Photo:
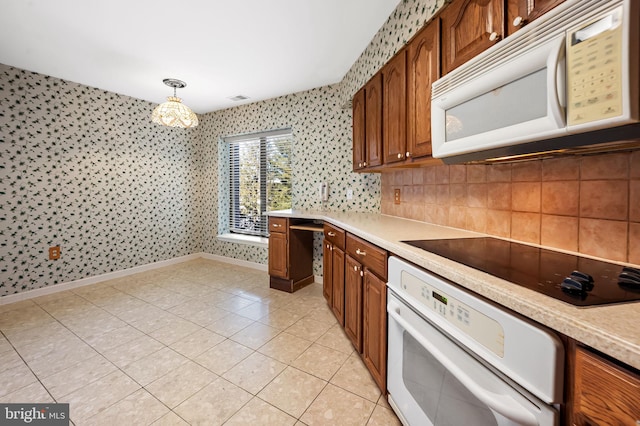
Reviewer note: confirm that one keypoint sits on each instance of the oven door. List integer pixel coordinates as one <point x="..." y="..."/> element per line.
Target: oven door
<point x="432" y="381"/>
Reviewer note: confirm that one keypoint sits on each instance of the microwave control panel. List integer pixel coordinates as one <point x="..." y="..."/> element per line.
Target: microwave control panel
<point x="594" y="70"/>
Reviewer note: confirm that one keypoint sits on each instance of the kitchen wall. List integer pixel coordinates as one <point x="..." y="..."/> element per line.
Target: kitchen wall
<point x="321" y="123"/>
<point x="321" y="152"/>
<point x="588" y="204"/>
<point x="86" y="169"/>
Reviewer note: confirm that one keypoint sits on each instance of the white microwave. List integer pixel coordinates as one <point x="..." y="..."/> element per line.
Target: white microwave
<point x="574" y="70"/>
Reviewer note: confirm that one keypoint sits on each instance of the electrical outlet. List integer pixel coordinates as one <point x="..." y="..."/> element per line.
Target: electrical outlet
<point x="349" y="194"/>
<point x="54" y="253"/>
<point x="396" y="196"/>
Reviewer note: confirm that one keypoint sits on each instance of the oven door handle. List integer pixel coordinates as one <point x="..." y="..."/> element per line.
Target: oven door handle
<point x="501" y="404"/>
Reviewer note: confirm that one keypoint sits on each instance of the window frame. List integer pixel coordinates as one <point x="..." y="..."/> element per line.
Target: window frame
<point x="233" y="170"/>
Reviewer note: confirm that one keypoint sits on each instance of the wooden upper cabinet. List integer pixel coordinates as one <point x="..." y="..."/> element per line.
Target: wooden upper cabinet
<point x="359" y="157"/>
<point x="394" y="108"/>
<point x="468" y="28"/>
<point x="373" y="121"/>
<point x="423" y="68"/>
<point x="521" y="12"/>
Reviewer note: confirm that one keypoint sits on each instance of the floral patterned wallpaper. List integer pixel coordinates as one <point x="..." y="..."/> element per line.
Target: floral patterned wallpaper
<point x="86" y="169"/>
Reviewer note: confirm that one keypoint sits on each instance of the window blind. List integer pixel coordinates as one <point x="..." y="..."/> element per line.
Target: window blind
<point x="260" y="179"/>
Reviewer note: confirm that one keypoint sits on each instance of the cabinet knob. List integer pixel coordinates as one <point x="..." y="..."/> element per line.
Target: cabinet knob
<point x="518" y="21"/>
<point x="355" y="268"/>
<point x="361" y="273"/>
<point x="359" y="164"/>
<point x="361" y="252"/>
<point x="399" y="155"/>
<point x="331" y="234"/>
<point x="408" y="154"/>
<point x="494" y="36"/>
<point x="364" y="164"/>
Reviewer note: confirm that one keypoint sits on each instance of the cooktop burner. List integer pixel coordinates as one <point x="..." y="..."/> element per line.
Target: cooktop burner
<point x="573" y="279"/>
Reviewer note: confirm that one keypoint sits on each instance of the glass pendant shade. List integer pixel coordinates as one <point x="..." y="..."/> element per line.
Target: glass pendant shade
<point x="174" y="113"/>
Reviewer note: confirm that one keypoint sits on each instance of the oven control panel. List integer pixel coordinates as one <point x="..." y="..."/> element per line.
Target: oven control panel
<point x="478" y="326"/>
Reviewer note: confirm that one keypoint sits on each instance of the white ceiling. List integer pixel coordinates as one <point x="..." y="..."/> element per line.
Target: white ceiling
<point x="256" y="48"/>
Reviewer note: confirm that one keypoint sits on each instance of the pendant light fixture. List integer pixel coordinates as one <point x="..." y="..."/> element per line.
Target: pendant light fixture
<point x="174" y="113"/>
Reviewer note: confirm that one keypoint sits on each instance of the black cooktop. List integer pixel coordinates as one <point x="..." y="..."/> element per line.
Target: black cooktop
<point x="586" y="281"/>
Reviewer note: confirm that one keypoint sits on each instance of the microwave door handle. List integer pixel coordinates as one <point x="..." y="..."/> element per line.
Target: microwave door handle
<point x="556" y="77"/>
<point x="501" y="404"/>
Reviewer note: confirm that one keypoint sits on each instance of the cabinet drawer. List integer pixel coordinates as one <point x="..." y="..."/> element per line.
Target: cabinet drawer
<point x="369" y="255"/>
<point x="604" y="393"/>
<point x="334" y="235"/>
<point x="277" y="224"/>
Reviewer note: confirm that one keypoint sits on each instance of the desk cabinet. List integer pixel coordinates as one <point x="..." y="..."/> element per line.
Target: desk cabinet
<point x="290" y="254"/>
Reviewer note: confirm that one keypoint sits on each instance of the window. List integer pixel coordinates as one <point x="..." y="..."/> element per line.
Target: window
<point x="260" y="179"/>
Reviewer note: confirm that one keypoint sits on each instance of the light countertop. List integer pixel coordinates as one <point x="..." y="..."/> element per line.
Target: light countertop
<point x="612" y="329"/>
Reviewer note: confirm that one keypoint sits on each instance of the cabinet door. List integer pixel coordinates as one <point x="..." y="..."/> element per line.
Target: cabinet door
<point x="521" y="12"/>
<point x="359" y="158"/>
<point x="337" y="278"/>
<point x="278" y="253"/>
<point x="423" y="68"/>
<point x="374" y="349"/>
<point x="468" y="28"/>
<point x="353" y="302"/>
<point x="394" y="108"/>
<point x="605" y="394"/>
<point x="327" y="272"/>
<point x="373" y="121"/>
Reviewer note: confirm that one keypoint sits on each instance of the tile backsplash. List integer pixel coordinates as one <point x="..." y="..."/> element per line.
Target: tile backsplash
<point x="585" y="204"/>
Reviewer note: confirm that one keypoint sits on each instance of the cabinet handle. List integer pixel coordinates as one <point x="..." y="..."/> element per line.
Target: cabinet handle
<point x="276" y="225"/>
<point x="361" y="252"/>
<point x="355" y="268"/>
<point x="494" y="36"/>
<point x="408" y="154"/>
<point x="359" y="164"/>
<point x="361" y="273"/>
<point x="331" y="234"/>
<point x="518" y="21"/>
<point x="364" y="164"/>
<point x="399" y="155"/>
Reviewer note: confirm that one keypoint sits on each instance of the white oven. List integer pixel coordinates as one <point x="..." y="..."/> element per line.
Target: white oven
<point x="455" y="359"/>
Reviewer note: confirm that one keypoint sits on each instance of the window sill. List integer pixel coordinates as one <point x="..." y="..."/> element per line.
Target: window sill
<point x="251" y="240"/>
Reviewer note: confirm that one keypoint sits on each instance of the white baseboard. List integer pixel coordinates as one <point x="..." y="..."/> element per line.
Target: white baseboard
<point x="30" y="294"/>
<point x="240" y="262"/>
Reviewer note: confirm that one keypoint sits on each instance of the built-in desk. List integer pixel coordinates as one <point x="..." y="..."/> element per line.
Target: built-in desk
<point x="291" y="252"/>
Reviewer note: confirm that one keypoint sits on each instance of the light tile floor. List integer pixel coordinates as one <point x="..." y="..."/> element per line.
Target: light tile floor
<point x="200" y="343"/>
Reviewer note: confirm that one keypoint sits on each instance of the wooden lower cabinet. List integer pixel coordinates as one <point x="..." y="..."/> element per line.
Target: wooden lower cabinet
<point x="337" y="279"/>
<point x="603" y="393"/>
<point x="353" y="302"/>
<point x="366" y="289"/>
<point x="333" y="269"/>
<point x="290" y="255"/>
<point x="278" y="255"/>
<point x="374" y="324"/>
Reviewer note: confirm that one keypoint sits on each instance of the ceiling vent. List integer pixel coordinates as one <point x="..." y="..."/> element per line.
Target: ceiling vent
<point x="238" y="98"/>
